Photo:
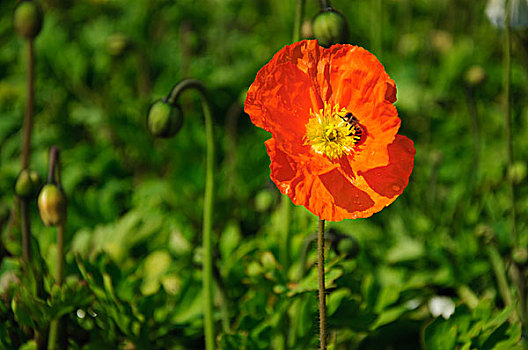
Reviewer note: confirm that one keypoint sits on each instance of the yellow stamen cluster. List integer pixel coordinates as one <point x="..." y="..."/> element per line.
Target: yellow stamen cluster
<point x="329" y="134"/>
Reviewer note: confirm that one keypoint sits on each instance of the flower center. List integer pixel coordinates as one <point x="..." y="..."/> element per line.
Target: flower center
<point x="333" y="131"/>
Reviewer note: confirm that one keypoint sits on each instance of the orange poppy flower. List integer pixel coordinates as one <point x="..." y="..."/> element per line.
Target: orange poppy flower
<point x="334" y="146"/>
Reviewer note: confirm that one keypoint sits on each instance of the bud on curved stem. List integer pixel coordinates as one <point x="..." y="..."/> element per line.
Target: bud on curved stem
<point x="164" y="120"/>
<point x="207" y="274"/>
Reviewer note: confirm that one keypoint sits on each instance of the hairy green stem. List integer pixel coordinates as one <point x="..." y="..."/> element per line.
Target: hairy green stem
<point x="57" y="339"/>
<point x="207" y="274"/>
<point x="324" y="4"/>
<point x="377" y="27"/>
<point x="26" y="231"/>
<point x="508" y="120"/>
<point x="26" y="146"/>
<point x="298" y="19"/>
<point x="286" y="236"/>
<point x="30" y="99"/>
<point x="285" y="240"/>
<point x="500" y="274"/>
<point x="322" y="291"/>
<point x="60" y="255"/>
<point x="518" y="272"/>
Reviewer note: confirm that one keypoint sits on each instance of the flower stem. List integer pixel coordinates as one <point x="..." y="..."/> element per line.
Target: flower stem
<point x="25" y="226"/>
<point x="508" y="119"/>
<point x="500" y="274"/>
<point x="518" y="274"/>
<point x="285" y="240"/>
<point x="207" y="274"/>
<point x="60" y="255"/>
<point x="26" y="146"/>
<point x="377" y="27"/>
<point x="322" y="292"/>
<point x="286" y="237"/>
<point x="324" y="4"/>
<point x="30" y="90"/>
<point x="298" y="18"/>
<point x="56" y="339"/>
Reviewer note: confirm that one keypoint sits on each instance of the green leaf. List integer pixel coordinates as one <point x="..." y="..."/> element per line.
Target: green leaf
<point x="334" y="299"/>
<point x="310" y="282"/>
<point x="500" y="318"/>
<point x="440" y="334"/>
<point x="389" y="315"/>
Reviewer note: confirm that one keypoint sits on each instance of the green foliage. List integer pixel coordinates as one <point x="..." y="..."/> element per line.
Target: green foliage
<point x="474" y="330"/>
<point x="133" y="243"/>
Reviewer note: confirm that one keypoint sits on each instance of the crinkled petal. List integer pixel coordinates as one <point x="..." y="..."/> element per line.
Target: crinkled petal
<point x="358" y="82"/>
<point x="390" y="180"/>
<point x="278" y="102"/>
<point x="298" y="81"/>
<point x="330" y="196"/>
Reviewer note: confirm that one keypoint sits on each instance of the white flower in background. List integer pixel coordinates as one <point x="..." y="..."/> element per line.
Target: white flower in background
<point x="441" y="305"/>
<point x="495" y="10"/>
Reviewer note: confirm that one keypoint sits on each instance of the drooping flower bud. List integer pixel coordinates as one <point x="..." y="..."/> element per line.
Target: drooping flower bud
<point x="27" y="19"/>
<point x="27" y="183"/>
<point x="330" y="27"/>
<point x="52" y="205"/>
<point x="163" y="119"/>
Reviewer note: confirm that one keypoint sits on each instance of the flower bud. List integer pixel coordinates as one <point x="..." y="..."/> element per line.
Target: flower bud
<point x="163" y="119"/>
<point x="52" y="205"/>
<point x="27" y="183"/>
<point x="27" y="19"/>
<point x="330" y="27"/>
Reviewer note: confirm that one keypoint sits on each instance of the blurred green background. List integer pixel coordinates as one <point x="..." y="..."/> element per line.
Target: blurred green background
<point x="135" y="203"/>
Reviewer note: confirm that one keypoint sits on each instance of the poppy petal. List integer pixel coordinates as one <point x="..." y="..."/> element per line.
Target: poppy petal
<point x="390" y="180"/>
<point x="304" y="78"/>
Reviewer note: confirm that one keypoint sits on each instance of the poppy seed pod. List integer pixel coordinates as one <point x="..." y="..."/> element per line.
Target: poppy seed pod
<point x="330" y="27"/>
<point x="163" y="119"/>
<point x="27" y="19"/>
<point x="27" y="183"/>
<point x="52" y="205"/>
